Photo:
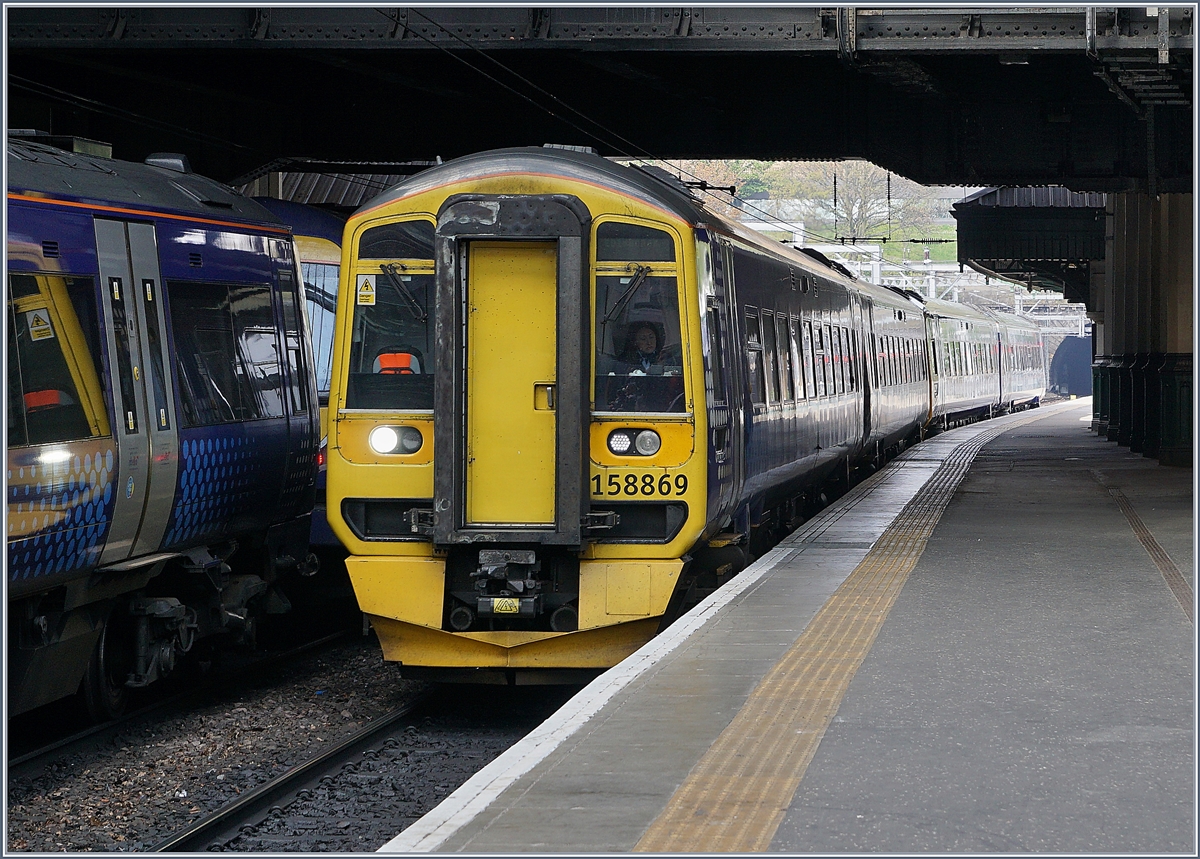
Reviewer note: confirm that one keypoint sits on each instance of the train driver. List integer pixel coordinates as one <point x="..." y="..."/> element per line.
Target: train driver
<point x="642" y="350"/>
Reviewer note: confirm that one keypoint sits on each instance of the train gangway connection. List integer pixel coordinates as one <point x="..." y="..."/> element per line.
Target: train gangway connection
<point x="987" y="646"/>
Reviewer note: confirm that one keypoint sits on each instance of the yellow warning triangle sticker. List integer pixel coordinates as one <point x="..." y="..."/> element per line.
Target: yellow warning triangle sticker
<point x="39" y="325"/>
<point x="366" y="290"/>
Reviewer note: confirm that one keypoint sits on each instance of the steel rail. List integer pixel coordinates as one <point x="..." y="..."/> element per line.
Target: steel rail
<point x="202" y="834"/>
<point x="211" y="683"/>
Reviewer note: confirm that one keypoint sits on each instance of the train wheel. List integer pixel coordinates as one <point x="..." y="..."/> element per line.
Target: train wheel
<point x="103" y="688"/>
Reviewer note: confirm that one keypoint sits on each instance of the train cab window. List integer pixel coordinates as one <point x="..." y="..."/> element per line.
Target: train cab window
<point x="391" y="340"/>
<point x="784" y="361"/>
<point x="770" y="363"/>
<point x="810" y="384"/>
<point x="618" y="241"/>
<point x="54" y="389"/>
<point x="320" y="298"/>
<point x="754" y="360"/>
<point x="227" y="353"/>
<point x="639" y="345"/>
<point x="399" y="240"/>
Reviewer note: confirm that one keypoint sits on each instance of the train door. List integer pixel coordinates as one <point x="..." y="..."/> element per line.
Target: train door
<point x="511" y="381"/>
<point x="511" y="396"/>
<point x="140" y="379"/>
<point x="860" y="315"/>
<point x="724" y="418"/>
<point x="932" y="328"/>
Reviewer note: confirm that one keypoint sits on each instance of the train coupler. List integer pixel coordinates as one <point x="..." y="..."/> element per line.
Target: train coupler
<point x="507" y="584"/>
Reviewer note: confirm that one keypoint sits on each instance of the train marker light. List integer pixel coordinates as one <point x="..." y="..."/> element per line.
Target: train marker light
<point x="619" y="442"/>
<point x="647" y="443"/>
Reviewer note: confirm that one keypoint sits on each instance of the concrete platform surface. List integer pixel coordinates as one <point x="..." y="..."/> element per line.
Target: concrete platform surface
<point x="985" y="647"/>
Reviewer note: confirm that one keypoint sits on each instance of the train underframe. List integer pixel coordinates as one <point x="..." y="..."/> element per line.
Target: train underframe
<point x="124" y="628"/>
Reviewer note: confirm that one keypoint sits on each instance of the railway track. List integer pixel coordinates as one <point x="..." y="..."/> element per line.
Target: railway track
<point x="29" y="761"/>
<point x="215" y="830"/>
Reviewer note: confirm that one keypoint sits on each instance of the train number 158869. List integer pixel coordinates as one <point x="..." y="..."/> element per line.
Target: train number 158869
<point x="639" y="484"/>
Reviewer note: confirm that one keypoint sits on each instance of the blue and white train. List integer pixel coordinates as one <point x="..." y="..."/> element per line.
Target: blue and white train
<point x="162" y="421"/>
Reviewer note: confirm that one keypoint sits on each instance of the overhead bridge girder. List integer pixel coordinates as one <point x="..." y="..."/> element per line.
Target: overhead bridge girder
<point x="1095" y="99"/>
<point x="806" y="28"/>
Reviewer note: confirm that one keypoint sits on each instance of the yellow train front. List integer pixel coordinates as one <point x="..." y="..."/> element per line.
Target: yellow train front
<point x="491" y="310"/>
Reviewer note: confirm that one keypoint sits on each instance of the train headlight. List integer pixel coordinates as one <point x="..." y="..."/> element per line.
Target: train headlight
<point x="647" y="442"/>
<point x="395" y="439"/>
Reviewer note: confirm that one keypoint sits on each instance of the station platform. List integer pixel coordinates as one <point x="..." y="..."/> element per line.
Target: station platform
<point x="988" y="646"/>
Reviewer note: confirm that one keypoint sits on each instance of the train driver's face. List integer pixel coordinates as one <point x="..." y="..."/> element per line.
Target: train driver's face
<point x="646" y="341"/>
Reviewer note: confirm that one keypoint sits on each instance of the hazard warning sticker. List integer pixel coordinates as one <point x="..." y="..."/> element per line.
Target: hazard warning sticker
<point x="38" y="322"/>
<point x="366" y="290"/>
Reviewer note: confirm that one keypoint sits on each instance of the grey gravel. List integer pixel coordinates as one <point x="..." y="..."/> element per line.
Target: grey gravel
<point x="159" y="776"/>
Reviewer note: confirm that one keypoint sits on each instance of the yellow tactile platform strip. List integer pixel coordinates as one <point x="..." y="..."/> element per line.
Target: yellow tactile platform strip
<point x="1175" y="581"/>
<point x="736" y="796"/>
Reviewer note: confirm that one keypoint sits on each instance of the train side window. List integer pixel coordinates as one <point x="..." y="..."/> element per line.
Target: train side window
<point x="54" y="388"/>
<point x="260" y="362"/>
<point x="848" y="340"/>
<point x="770" y="366"/>
<point x="320" y="298"/>
<point x="821" y="359"/>
<point x="783" y="358"/>
<point x="227" y="353"/>
<point x="716" y="355"/>
<point x="810" y="385"/>
<point x="754" y="358"/>
<point x="839" y="361"/>
<point x="793" y="359"/>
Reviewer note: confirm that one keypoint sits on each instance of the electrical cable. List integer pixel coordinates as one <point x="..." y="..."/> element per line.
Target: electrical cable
<point x="100" y="107"/>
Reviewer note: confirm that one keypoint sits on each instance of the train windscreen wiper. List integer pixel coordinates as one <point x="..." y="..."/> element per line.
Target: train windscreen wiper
<point x="389" y="270"/>
<point x="639" y="277"/>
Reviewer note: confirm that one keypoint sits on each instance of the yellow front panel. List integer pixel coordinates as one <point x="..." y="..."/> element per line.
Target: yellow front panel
<point x="510" y="366"/>
<point x="619" y="591"/>
<point x="401" y="588"/>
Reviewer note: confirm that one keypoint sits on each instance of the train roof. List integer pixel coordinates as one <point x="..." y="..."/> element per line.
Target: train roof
<point x="57" y="174"/>
<point x="306" y="220"/>
<point x="574" y="164"/>
<point x="650" y="184"/>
